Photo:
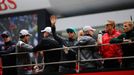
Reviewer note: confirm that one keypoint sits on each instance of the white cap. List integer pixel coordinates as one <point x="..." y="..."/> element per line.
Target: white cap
<point x="87" y="28"/>
<point x="47" y="29"/>
<point x="24" y="32"/>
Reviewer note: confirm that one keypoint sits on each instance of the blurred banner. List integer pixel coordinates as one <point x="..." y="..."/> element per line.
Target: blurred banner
<point x="11" y="6"/>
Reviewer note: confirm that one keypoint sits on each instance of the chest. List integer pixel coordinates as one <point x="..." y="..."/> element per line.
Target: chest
<point x="106" y="38"/>
<point x="70" y="43"/>
<point x="5" y="47"/>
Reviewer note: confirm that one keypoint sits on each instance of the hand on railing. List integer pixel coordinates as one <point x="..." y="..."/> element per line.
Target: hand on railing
<point x="66" y="49"/>
<point x="36" y="69"/>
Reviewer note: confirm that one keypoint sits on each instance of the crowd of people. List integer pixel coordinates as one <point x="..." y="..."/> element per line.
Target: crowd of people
<point x="52" y="40"/>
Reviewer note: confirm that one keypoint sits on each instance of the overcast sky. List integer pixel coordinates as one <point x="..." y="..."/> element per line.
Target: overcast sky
<point x="94" y="19"/>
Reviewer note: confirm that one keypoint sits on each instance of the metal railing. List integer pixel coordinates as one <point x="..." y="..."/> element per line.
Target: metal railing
<point x="72" y="61"/>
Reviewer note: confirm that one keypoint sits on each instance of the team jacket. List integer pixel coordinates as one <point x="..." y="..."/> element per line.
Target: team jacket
<point x="112" y="50"/>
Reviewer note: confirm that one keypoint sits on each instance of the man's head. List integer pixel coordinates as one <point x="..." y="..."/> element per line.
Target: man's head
<point x="46" y="32"/>
<point x="109" y="26"/>
<point x="127" y="26"/>
<point x="6" y="36"/>
<point x="25" y="35"/>
<point x="71" y="32"/>
<point x="88" y="30"/>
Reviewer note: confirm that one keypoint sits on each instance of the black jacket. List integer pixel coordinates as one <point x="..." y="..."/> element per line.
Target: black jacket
<point x="6" y="48"/>
<point x="71" y="55"/>
<point x="9" y="60"/>
<point x="46" y="44"/>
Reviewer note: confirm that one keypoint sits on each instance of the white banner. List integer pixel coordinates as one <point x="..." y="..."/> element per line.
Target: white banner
<point x="11" y="6"/>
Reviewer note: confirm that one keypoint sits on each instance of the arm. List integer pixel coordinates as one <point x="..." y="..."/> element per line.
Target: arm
<point x="39" y="46"/>
<point x="56" y="37"/>
<point x="119" y="39"/>
<point x="10" y="49"/>
<point x="24" y="47"/>
<point x="27" y="47"/>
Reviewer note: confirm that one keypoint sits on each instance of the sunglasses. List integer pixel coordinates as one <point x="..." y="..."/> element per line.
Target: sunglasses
<point x="70" y="32"/>
<point x="4" y="36"/>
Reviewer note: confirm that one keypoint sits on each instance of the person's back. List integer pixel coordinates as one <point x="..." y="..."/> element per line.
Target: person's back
<point x="49" y="43"/>
<point x="90" y="52"/>
<point x="51" y="56"/>
<point x="87" y="53"/>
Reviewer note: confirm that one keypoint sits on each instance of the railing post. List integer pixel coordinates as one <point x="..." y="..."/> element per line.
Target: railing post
<point x="78" y="60"/>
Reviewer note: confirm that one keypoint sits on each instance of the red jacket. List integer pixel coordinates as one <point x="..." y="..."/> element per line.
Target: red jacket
<point x="113" y="50"/>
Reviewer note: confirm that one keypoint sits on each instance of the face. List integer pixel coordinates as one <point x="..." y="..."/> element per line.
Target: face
<point x="27" y="38"/>
<point x="45" y="34"/>
<point x="71" y="34"/>
<point x="126" y="27"/>
<point x="108" y="27"/>
<point x="6" y="38"/>
<point x="91" y="32"/>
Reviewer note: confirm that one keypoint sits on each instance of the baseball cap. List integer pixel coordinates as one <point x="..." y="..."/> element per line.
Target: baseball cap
<point x="47" y="29"/>
<point x="87" y="28"/>
<point x="24" y="32"/>
<point x="5" y="33"/>
<point x="71" y="30"/>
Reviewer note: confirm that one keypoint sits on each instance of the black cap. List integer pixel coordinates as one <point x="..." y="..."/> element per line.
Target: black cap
<point x="5" y="33"/>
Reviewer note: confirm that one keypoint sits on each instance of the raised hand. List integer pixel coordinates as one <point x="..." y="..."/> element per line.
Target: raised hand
<point x="53" y="20"/>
